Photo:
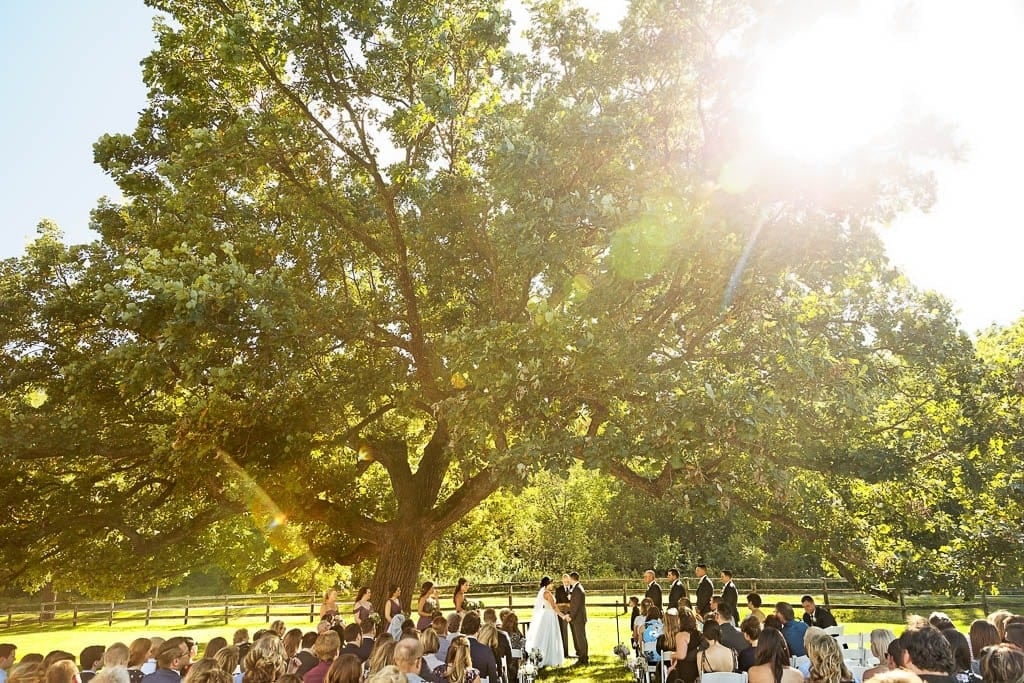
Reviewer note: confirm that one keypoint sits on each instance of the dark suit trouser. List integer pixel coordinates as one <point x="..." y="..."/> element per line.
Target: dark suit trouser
<point x="563" y="627"/>
<point x="579" y="640"/>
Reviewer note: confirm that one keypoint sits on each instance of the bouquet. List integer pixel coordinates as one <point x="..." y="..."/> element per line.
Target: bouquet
<point x="469" y="605"/>
<point x="375" y="618"/>
<point x="535" y="657"/>
<point x="622" y="651"/>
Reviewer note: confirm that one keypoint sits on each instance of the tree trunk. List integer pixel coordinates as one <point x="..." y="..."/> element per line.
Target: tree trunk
<point x="401" y="553"/>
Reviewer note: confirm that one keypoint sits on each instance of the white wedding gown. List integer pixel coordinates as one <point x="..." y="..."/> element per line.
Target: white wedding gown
<point x="544" y="634"/>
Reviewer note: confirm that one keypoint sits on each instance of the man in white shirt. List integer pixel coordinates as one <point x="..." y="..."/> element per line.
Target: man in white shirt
<point x="149" y="666"/>
<point x="7" y="652"/>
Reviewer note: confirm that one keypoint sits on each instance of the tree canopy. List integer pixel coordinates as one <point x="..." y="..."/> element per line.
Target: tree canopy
<point x="376" y="261"/>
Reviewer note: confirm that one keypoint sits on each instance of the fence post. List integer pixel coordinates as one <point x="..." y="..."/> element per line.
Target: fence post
<point x="824" y="591"/>
<point x="10" y="616"/>
<point x="625" y="598"/>
<point x="268" y="608"/>
<point x="149" y="610"/>
<point x="186" y="610"/>
<point x="984" y="600"/>
<point x="225" y="610"/>
<point x="74" y="614"/>
<point x="510" y="595"/>
<point x="903" y="604"/>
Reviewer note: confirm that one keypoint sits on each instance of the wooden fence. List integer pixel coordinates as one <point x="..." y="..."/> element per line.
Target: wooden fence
<point x="850" y="603"/>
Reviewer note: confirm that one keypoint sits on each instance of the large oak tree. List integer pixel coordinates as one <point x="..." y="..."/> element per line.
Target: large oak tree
<point x="372" y="264"/>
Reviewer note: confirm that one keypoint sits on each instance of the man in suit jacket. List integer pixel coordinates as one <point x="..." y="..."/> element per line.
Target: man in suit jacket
<point x="480" y="654"/>
<point x="815" y="615"/>
<point x="730" y="595"/>
<point x="731" y="636"/>
<point x="562" y="603"/>
<point x="705" y="589"/>
<point x="653" y="589"/>
<point x="676" y="589"/>
<point x="367" y="641"/>
<point x="353" y="638"/>
<point x="578" y="619"/>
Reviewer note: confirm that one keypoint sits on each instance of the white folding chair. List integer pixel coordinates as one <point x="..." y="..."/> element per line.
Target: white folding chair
<point x="835" y="630"/>
<point x="796" y="662"/>
<point x="852" y="641"/>
<point x="855" y="656"/>
<point x="723" y="677"/>
<point x="650" y="652"/>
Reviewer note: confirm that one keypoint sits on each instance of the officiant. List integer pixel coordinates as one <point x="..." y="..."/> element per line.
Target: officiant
<point x="562" y="604"/>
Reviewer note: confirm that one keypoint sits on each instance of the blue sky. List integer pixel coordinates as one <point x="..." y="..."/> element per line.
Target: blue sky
<point x="71" y="73"/>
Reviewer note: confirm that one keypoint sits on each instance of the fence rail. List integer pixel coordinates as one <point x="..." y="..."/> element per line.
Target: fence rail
<point x="515" y="595"/>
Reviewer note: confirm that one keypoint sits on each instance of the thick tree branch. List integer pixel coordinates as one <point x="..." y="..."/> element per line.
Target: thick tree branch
<point x="282" y="570"/>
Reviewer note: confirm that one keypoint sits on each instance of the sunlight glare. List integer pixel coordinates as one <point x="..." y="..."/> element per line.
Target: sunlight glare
<point x="829" y="89"/>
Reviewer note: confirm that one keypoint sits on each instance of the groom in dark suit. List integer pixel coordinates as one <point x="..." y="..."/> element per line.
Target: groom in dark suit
<point x="578" y="619"/>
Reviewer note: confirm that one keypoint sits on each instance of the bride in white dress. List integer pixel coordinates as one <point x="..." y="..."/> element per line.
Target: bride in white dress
<point x="544" y="634"/>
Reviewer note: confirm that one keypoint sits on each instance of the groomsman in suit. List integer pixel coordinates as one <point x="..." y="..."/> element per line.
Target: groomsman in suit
<point x="562" y="603"/>
<point x="578" y="619"/>
<point x="705" y="589"/>
<point x="730" y="595"/>
<point x="676" y="589"/>
<point x="653" y="589"/>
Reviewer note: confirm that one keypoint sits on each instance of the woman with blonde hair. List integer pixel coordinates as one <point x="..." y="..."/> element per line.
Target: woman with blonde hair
<point x="27" y="672"/>
<point x="431" y="646"/>
<point x="382" y="655"/>
<point x="827" y="664"/>
<point x="227" y="659"/>
<point x="880" y="639"/>
<point x="459" y="665"/>
<point x="63" y="671"/>
<point x="265" y="662"/>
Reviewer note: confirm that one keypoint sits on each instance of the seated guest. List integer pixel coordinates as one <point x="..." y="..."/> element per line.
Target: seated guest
<point x="792" y="630"/>
<point x="880" y="639"/>
<point x="489" y="636"/>
<point x="981" y="634"/>
<point x="480" y="654"/>
<point x="368" y="641"/>
<point x="345" y="669"/>
<point x="326" y="649"/>
<point x="63" y="671"/>
<point x="515" y="641"/>
<point x="383" y="654"/>
<point x="156" y="643"/>
<point x="459" y="665"/>
<point x="138" y="652"/>
<point x="815" y="615"/>
<point x="430" y="642"/>
<point x="1013" y="634"/>
<point x="804" y="665"/>
<point x="827" y="664"/>
<point x="681" y="643"/>
<point x="640" y="620"/>
<point x="452" y="626"/>
<point x="731" y="636"/>
<point x="927" y="653"/>
<point x="353" y="637"/>
<point x="754" y="604"/>
<point x="717" y="657"/>
<point x="1003" y="664"/>
<point x="750" y="628"/>
<point x="172" y="658"/>
<point x="90" y="659"/>
<point x="651" y="636"/>
<point x="771" y="660"/>
<point x="227" y="660"/>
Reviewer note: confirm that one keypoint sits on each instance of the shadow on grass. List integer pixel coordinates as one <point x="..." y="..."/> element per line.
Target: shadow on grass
<point x="601" y="669"/>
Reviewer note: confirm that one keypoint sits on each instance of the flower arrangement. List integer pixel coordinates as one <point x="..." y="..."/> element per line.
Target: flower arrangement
<point x="469" y="605"/>
<point x="535" y="656"/>
<point x="375" y="618"/>
<point x="622" y="651"/>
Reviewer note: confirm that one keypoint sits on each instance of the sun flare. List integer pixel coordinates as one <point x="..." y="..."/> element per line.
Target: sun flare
<point x="828" y="89"/>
